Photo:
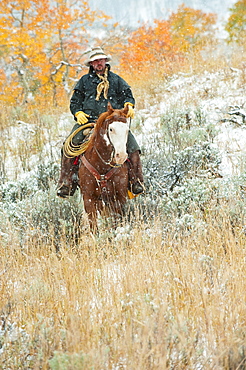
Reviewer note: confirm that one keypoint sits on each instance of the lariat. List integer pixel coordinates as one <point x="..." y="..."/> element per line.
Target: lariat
<point x="103" y="85"/>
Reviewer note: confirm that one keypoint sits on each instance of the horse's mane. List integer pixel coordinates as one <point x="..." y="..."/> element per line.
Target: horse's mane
<point x="120" y="114"/>
<point x="101" y="119"/>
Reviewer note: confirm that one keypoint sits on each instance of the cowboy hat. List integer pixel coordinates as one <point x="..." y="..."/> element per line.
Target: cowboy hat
<point x="97" y="53"/>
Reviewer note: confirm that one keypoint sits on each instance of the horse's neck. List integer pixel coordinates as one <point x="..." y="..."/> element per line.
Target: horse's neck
<point x="100" y="149"/>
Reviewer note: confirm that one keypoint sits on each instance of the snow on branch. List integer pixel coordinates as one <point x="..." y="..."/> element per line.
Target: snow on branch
<point x="238" y="111"/>
<point x="63" y="63"/>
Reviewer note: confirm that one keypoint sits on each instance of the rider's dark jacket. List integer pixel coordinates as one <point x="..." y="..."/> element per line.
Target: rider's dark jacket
<point x="84" y="95"/>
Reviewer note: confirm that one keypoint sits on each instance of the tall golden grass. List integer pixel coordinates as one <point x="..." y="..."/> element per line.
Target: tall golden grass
<point x="146" y="300"/>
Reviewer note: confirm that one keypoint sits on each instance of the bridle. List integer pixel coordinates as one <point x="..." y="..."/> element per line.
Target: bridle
<point x="108" y="162"/>
<point x="102" y="179"/>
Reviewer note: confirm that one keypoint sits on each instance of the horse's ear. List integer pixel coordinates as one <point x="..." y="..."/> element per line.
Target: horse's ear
<point x="125" y="110"/>
<point x="110" y="108"/>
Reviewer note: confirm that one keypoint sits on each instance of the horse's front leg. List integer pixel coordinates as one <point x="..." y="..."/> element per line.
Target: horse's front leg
<point x="91" y="210"/>
<point x="116" y="211"/>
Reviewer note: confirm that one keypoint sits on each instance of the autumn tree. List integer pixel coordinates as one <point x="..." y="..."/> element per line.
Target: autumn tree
<point x="71" y="37"/>
<point x="191" y="29"/>
<point x="22" y="43"/>
<point x="159" y="47"/>
<point x="148" y="47"/>
<point x="236" y="24"/>
<point x="41" y="45"/>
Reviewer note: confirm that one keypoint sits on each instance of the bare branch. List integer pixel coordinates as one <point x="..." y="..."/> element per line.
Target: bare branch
<point x="62" y="63"/>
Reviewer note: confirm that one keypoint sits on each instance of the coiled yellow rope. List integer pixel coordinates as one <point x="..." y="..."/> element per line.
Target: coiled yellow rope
<point x="71" y="150"/>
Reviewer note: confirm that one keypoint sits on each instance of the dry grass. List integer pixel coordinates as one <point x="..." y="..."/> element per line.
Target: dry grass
<point x="148" y="301"/>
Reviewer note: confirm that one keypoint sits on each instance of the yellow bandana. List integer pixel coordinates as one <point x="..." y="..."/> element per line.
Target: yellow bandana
<point x="103" y="85"/>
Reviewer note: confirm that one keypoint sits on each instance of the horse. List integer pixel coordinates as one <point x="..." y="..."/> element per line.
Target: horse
<point x="103" y="169"/>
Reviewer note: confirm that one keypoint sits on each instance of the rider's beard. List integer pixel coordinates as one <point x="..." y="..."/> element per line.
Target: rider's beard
<point x="100" y="70"/>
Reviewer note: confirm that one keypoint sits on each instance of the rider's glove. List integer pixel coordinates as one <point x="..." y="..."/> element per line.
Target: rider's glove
<point x="130" y="110"/>
<point x="81" y="117"/>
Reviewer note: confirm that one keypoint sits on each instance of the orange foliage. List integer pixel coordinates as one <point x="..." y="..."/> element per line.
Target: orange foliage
<point x="42" y="44"/>
<point x="36" y="36"/>
<point x="191" y="29"/>
<point x="147" y="46"/>
<point x="236" y="24"/>
<point x="160" y="47"/>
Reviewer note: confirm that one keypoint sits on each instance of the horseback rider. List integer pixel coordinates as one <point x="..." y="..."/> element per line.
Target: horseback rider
<point x="90" y="98"/>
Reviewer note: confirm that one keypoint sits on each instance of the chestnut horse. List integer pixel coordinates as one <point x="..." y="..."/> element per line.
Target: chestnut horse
<point x="103" y="171"/>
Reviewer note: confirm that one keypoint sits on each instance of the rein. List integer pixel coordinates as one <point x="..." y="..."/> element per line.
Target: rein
<point x="109" y="162"/>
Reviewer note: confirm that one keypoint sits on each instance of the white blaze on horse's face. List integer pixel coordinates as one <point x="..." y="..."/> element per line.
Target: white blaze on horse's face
<point x="118" y="134"/>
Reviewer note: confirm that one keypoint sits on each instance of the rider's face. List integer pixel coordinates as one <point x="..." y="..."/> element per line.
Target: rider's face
<point x="99" y="65"/>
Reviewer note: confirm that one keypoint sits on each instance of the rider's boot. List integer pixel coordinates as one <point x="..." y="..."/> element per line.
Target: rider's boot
<point x="68" y="181"/>
<point x="136" y="178"/>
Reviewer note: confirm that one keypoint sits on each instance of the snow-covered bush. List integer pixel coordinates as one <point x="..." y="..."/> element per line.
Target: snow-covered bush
<point x="163" y="173"/>
<point x="31" y="209"/>
<point x="181" y="127"/>
<point x="182" y="172"/>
